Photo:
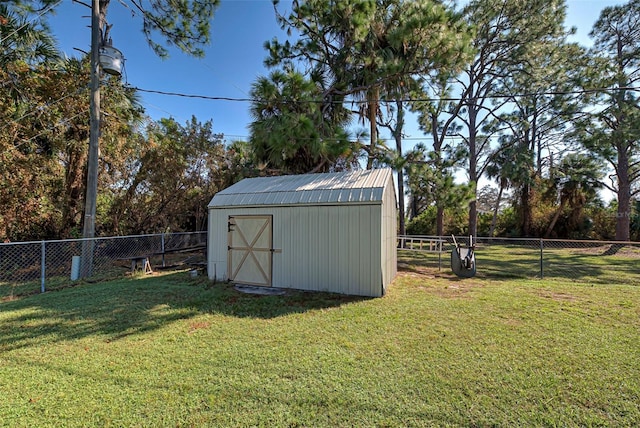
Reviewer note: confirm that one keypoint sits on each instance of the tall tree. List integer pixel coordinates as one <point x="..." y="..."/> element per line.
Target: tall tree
<point x="437" y="116"/>
<point x="542" y="106"/>
<point x="504" y="31"/>
<point x="25" y="169"/>
<point x="500" y="168"/>
<point x="612" y="131"/>
<point x="362" y="48"/>
<point x="432" y="183"/>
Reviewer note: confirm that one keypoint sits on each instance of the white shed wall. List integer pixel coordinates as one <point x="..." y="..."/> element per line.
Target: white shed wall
<point x="389" y="235"/>
<point x="335" y="248"/>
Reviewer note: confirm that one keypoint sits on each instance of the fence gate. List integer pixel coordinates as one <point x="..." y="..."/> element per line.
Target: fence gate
<point x="250" y="249"/>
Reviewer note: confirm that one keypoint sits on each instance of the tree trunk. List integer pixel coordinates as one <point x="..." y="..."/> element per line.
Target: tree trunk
<point x="373" y="129"/>
<point x="526" y="210"/>
<point x="73" y="191"/>
<point x="494" y="219"/>
<point x="400" y="173"/>
<point x="440" y="221"/>
<point x="473" y="167"/>
<point x="623" y="216"/>
<point x="554" y="220"/>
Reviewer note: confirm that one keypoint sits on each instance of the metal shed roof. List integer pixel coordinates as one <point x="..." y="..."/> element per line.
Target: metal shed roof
<point x="360" y="187"/>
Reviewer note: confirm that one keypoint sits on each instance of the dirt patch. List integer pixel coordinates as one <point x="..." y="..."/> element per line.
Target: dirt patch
<point x="418" y="270"/>
<point x="561" y="297"/>
<point x="442" y="284"/>
<point x="198" y="326"/>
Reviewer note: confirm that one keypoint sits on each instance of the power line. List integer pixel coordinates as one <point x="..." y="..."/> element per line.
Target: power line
<point x="183" y="95"/>
<point x="496" y="96"/>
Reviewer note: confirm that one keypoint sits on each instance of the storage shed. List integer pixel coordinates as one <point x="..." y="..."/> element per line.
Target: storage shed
<point x="331" y="232"/>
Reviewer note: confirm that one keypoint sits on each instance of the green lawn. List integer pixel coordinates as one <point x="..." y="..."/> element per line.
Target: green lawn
<point x="169" y="350"/>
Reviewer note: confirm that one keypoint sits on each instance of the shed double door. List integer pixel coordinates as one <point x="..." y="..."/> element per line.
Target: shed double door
<point x="250" y="249"/>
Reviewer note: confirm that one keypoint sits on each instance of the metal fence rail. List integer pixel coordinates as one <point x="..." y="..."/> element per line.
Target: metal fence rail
<point x="597" y="262"/>
<point x="32" y="267"/>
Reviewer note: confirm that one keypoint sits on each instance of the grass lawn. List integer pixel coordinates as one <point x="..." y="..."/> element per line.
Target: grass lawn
<point x="170" y="350"/>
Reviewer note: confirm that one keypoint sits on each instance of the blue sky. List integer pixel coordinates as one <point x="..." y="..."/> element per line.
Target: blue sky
<point x="233" y="60"/>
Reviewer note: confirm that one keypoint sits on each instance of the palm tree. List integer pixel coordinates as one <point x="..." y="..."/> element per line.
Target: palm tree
<point x="510" y="167"/>
<point x="577" y="179"/>
<point x="23" y="40"/>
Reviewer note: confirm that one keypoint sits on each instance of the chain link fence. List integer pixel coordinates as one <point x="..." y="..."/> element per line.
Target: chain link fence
<point x="596" y="262"/>
<point x="34" y="267"/>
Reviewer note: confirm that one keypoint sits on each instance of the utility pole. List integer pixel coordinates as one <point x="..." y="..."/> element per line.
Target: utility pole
<point x="89" y="227"/>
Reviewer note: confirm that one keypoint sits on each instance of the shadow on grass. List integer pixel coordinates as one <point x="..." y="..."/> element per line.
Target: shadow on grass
<point x="132" y="306"/>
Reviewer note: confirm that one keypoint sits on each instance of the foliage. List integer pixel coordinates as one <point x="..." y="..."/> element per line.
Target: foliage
<point x="170" y="180"/>
<point x="22" y="39"/>
<point x="575" y="182"/>
<point x="519" y="117"/>
<point x="431" y="181"/>
<point x="454" y="222"/>
<point x="44" y="148"/>
<point x="367" y="49"/>
<point x="292" y="131"/>
<point x="159" y="179"/>
<point x="149" y="180"/>
<point x="445" y="156"/>
<point x="185" y="24"/>
<point x="611" y="131"/>
<point x="504" y="34"/>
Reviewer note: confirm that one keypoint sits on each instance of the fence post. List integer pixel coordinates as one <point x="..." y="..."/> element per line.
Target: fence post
<point x="42" y="265"/>
<point x="541" y="258"/>
<point x="162" y="247"/>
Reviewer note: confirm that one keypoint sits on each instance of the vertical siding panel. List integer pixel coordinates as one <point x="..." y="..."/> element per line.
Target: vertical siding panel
<point x="276" y="258"/>
<point x="212" y="249"/>
<point x="384" y="254"/>
<point x="360" y="243"/>
<point x="352" y="278"/>
<point x="334" y="242"/>
<point x="303" y="240"/>
<point x="337" y="243"/>
<point x="319" y="244"/>
<point x="218" y="244"/>
<point x="290" y="269"/>
<point x="326" y="243"/>
<point x="373" y="258"/>
<point x="348" y="251"/>
<point x="390" y="224"/>
<point x="312" y="247"/>
<point x="355" y="248"/>
<point x="299" y="245"/>
<point x="365" y="252"/>
<point x="294" y="267"/>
